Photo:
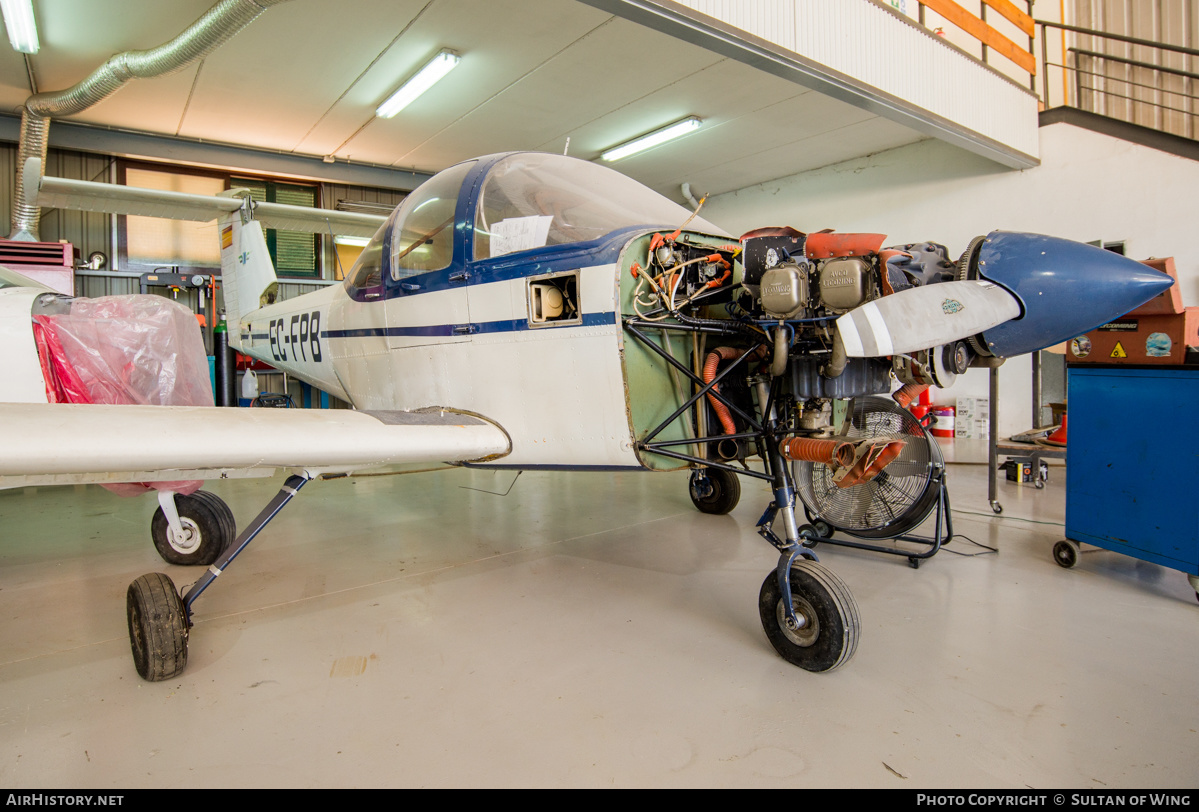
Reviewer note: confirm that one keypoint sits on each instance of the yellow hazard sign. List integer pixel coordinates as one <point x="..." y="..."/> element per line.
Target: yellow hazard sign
<point x="1118" y="352"/>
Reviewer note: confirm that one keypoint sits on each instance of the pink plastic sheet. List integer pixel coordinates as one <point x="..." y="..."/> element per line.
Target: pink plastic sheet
<point x="125" y="350"/>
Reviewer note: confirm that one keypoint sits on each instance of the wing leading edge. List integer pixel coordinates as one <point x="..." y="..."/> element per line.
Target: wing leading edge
<point x="76" y="443"/>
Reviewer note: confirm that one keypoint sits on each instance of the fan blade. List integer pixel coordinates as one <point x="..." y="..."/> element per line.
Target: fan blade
<point x="924" y="317"/>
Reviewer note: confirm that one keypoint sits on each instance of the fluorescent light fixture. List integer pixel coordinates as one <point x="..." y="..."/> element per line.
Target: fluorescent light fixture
<point x="667" y="133"/>
<point x="360" y="242"/>
<point x="22" y="31"/>
<point x="424" y="79"/>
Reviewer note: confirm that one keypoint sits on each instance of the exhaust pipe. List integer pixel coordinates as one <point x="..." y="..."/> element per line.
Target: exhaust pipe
<point x="853" y="461"/>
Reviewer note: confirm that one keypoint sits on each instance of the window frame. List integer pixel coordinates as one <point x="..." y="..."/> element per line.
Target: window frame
<point x="122" y="228"/>
<point x="411" y="203"/>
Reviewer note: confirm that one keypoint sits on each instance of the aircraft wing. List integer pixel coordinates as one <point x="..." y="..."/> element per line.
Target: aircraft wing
<point x="48" y="444"/>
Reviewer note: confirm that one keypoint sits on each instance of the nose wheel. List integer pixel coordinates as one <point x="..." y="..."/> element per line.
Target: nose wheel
<point x="824" y="633"/>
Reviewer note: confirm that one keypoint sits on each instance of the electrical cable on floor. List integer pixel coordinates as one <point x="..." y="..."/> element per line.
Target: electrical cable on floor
<point x="496" y="493"/>
<point x="972" y="541"/>
<point x="1007" y="518"/>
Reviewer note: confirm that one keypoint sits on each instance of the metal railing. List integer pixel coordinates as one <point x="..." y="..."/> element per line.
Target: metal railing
<point x="990" y="39"/>
<point x="1120" y="87"/>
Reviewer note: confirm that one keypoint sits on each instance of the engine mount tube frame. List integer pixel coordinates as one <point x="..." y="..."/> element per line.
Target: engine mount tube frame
<point x="705" y="388"/>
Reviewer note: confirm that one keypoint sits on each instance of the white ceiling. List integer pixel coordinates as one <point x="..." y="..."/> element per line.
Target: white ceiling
<point x="306" y="76"/>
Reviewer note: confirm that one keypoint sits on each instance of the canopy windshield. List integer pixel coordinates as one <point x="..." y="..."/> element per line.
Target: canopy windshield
<point x="530" y="200"/>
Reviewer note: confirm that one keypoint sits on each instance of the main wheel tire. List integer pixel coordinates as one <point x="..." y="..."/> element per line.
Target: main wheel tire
<point x="1065" y="553"/>
<point x="207" y="524"/>
<point x="726" y="491"/>
<point x="157" y="627"/>
<point x="822" y="601"/>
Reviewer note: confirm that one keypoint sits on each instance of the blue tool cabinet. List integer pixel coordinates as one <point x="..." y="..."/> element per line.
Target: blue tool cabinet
<point x="1132" y="465"/>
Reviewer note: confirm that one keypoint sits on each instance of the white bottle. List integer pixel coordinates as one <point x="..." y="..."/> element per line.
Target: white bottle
<point x="249" y="385"/>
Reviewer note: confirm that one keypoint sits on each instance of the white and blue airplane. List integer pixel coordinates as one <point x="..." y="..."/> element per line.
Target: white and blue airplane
<point x="527" y="310"/>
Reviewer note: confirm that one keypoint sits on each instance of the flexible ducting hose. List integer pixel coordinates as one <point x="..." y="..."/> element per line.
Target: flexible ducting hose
<point x="213" y="29"/>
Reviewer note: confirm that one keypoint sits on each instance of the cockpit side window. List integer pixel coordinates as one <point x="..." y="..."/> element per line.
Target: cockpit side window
<point x="423" y="239"/>
<point x="368" y="269"/>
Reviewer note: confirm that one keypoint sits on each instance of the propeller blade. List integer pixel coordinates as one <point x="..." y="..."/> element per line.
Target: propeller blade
<point x="924" y="317"/>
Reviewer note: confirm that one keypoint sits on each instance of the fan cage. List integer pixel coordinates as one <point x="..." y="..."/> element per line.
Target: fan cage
<point x="899" y="498"/>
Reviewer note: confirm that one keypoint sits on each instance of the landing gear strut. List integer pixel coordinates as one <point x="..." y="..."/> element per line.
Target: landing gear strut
<point x="807" y="612"/>
<point x="160" y="620"/>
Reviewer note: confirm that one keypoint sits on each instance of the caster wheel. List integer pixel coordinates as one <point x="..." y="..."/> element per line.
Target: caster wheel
<point x="208" y="530"/>
<point x="827" y="636"/>
<point x="1065" y="553"/>
<point x="996" y="507"/>
<point x="714" y="490"/>
<point x="822" y="528"/>
<point x="157" y="627"/>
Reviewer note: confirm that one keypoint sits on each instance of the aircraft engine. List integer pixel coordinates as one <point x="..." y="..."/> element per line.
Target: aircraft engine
<point x="818" y="319"/>
<point x="808" y="281"/>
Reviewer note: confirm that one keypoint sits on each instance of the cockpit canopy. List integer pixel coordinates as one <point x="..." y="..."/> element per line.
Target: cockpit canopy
<point x="526" y="201"/>
<point x="532" y="199"/>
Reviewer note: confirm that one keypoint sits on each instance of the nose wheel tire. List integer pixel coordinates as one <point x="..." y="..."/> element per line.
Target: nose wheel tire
<point x="714" y="490"/>
<point x="208" y="530"/>
<point x="157" y="627"/>
<point x="827" y="636"/>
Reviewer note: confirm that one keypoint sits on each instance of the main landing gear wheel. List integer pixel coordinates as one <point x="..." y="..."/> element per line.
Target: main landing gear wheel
<point x="1065" y="553"/>
<point x="208" y="530"/>
<point x="157" y="627"/>
<point x="827" y="636"/>
<point x="714" y="490"/>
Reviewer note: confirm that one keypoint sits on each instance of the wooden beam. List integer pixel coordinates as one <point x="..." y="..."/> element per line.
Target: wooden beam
<point x="1013" y="14"/>
<point x="984" y="33"/>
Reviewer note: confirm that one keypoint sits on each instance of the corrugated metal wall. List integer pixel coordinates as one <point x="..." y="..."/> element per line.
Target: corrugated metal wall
<point x="1132" y="93"/>
<point x="89" y="232"/>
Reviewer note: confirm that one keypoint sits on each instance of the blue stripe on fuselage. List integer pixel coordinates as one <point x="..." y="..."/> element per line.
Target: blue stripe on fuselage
<point x="445" y="330"/>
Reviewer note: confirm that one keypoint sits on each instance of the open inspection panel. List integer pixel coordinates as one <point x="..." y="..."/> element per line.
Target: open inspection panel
<point x="1131" y="488"/>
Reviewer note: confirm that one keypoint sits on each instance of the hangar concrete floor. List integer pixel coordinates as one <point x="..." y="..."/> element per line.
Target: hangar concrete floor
<point x="586" y="630"/>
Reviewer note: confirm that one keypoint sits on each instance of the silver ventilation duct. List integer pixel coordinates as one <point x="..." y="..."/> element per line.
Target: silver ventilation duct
<point x="205" y="35"/>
